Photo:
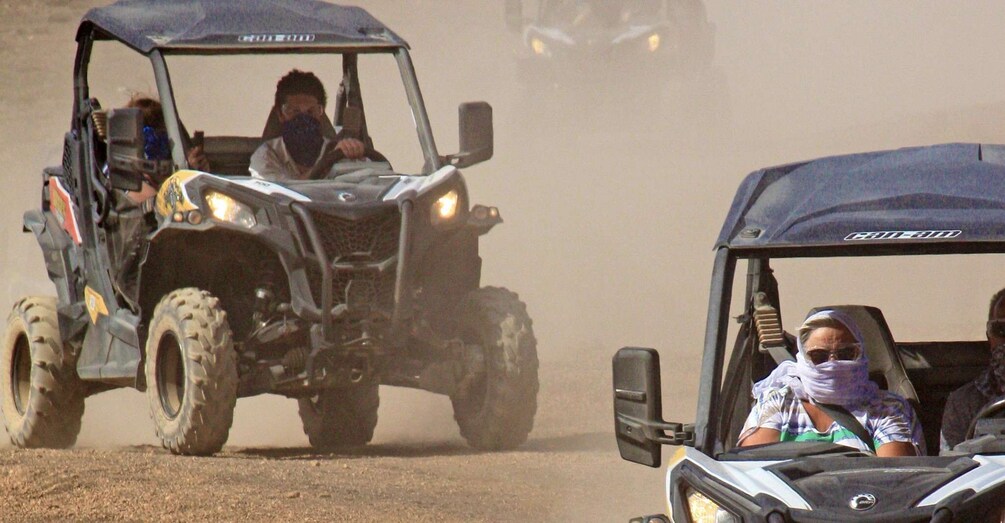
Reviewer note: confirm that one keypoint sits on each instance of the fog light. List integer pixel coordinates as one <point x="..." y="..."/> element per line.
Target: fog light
<point x="654" y="42"/>
<point x="194" y="217"/>
<point x="538" y="46"/>
<point x="178" y="217"/>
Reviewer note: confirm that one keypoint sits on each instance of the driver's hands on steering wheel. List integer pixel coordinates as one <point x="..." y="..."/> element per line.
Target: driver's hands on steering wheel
<point x="352" y="148"/>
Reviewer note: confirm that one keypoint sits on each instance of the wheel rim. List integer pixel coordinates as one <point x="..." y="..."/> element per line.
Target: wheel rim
<point x="170" y="375"/>
<point x="20" y="381"/>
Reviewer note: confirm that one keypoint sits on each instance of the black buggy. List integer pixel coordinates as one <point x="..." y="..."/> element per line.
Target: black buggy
<point x="853" y="225"/>
<point x="569" y="44"/>
<point x="318" y="289"/>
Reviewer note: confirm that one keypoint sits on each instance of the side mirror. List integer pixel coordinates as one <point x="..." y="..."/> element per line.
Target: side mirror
<point x="638" y="408"/>
<point x="514" y="15"/>
<point x="127" y="161"/>
<point x="476" y="135"/>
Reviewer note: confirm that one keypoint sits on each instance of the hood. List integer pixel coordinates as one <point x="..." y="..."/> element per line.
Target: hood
<point x="346" y="190"/>
<point x="836" y="486"/>
<point x="848" y="487"/>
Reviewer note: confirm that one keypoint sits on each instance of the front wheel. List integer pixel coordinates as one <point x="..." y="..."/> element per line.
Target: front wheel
<point x="42" y="397"/>
<point x="342" y="417"/>
<point x="497" y="411"/>
<point x="191" y="371"/>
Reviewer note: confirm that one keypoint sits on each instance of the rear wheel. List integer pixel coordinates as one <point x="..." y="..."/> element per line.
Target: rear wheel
<point x="42" y="397"/>
<point x="191" y="371"/>
<point x="497" y="411"/>
<point x="342" y="417"/>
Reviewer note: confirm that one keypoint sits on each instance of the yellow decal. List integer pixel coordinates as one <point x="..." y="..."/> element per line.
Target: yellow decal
<point x="171" y="197"/>
<point x="95" y="304"/>
<point x="677" y="457"/>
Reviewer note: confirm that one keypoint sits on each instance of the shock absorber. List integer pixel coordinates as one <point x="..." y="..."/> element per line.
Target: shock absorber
<point x="265" y="298"/>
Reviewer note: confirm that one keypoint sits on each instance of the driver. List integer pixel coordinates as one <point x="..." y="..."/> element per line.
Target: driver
<point x="831" y="374"/>
<point x="965" y="402"/>
<point x="300" y="106"/>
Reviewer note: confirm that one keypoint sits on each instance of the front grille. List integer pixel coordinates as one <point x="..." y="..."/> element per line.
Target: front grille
<point x="373" y="238"/>
<point x="362" y="243"/>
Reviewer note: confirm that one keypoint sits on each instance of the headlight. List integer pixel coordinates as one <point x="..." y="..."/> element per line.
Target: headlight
<point x="538" y="46"/>
<point x="704" y="510"/>
<point x="445" y="208"/>
<point x="227" y="209"/>
<point x="654" y="42"/>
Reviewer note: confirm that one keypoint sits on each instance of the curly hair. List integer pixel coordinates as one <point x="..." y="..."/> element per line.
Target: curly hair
<point x="153" y="114"/>
<point x="994" y="301"/>
<point x="300" y="82"/>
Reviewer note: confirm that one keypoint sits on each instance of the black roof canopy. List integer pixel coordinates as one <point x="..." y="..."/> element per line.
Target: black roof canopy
<point x="237" y="25"/>
<point x="936" y="198"/>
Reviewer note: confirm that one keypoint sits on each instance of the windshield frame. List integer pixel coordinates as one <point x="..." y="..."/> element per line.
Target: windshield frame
<point x="712" y="387"/>
<point x="431" y="158"/>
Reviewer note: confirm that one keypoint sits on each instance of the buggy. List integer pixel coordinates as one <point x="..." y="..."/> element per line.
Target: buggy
<point x="911" y="204"/>
<point x="319" y="289"/>
<point x="569" y="43"/>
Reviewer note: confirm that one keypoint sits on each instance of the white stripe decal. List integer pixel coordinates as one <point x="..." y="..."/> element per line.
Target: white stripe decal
<point x="269" y="188"/>
<point x="420" y="184"/>
<point x="748" y="477"/>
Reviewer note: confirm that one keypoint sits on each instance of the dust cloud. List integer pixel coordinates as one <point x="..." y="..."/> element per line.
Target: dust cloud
<point x="611" y="201"/>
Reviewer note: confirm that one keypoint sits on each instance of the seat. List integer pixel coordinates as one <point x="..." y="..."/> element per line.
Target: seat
<point x="885" y="366"/>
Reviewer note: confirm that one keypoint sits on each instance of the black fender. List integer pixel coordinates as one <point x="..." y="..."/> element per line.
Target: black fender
<point x="63" y="265"/>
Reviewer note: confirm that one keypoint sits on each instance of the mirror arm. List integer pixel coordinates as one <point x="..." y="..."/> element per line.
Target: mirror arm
<point x="662" y="432"/>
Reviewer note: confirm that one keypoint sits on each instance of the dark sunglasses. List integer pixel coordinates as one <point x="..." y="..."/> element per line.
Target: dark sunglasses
<point x="819" y="355"/>
<point x="996" y="329"/>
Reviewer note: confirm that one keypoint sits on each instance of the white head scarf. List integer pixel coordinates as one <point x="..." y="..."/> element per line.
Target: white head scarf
<point x="844" y="383"/>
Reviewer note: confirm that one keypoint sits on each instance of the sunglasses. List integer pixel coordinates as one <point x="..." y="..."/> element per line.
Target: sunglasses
<point x="292" y="110"/>
<point x="996" y="329"/>
<point x="820" y="355"/>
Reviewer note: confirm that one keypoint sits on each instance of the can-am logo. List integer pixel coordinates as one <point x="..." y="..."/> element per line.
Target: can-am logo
<point x="902" y="235"/>
<point x="277" y="39"/>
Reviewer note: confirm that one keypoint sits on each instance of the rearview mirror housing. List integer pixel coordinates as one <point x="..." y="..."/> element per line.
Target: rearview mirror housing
<point x="476" y="135"/>
<point x="125" y="147"/>
<point x="127" y="161"/>
<point x="638" y="408"/>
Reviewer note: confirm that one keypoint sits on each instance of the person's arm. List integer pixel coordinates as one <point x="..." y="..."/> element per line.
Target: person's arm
<point x="895" y="428"/>
<point x="764" y="423"/>
<point x="760" y="436"/>
<point x="896" y="448"/>
<point x="265" y="164"/>
<point x="197" y="159"/>
<point x="352" y="148"/>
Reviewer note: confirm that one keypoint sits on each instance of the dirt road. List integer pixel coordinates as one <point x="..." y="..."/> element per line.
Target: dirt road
<point x="610" y="213"/>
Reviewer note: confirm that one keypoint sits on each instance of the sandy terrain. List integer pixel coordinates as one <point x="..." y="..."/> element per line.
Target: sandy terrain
<point x="610" y="209"/>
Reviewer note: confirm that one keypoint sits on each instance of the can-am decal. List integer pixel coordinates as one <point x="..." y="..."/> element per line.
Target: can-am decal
<point x="62" y="207"/>
<point x="277" y="39"/>
<point x="902" y="235"/>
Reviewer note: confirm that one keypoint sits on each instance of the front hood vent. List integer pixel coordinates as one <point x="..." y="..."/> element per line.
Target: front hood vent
<point x="865" y="486"/>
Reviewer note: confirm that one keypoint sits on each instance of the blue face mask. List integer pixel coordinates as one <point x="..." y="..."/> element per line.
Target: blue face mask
<point x="156" y="145"/>
<point x="303" y="139"/>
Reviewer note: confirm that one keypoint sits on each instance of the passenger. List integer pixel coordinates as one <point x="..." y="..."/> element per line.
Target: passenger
<point x="965" y="402"/>
<point x="157" y="146"/>
<point x="300" y="102"/>
<point x="831" y="373"/>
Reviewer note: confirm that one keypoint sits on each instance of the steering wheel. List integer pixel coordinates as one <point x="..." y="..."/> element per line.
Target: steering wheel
<point x="994" y="410"/>
<point x="326" y="162"/>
